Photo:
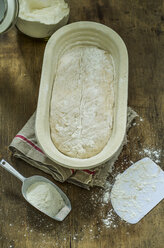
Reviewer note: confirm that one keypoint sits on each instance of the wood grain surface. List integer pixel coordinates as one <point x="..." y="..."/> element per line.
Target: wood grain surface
<point x="92" y="223"/>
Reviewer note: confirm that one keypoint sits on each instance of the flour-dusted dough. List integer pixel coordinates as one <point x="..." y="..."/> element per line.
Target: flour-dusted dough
<point x="81" y="111"/>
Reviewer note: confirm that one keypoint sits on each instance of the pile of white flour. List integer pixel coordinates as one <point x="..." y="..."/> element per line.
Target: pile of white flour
<point x="45" y="197"/>
<point x="44" y="11"/>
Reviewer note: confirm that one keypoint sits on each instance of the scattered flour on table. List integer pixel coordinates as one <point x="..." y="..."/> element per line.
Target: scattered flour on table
<point x="98" y="199"/>
<point x="106" y="194"/>
<point x="110" y="218"/>
<point x="45" y="197"/>
<point x="152" y="153"/>
<point x="137" y="190"/>
<point x="136" y="123"/>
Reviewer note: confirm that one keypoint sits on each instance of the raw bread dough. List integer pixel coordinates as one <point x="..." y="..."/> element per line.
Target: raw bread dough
<point x="81" y="111"/>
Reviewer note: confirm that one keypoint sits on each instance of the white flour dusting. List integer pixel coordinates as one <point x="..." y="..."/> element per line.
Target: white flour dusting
<point x="106" y="194"/>
<point x="96" y="208"/>
<point x="152" y="153"/>
<point x="137" y="190"/>
<point x="109" y="221"/>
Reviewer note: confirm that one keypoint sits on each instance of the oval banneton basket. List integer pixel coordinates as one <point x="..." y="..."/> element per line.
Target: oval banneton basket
<point x="83" y="33"/>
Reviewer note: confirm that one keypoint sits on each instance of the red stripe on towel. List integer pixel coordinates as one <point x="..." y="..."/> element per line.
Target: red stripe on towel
<point x="90" y="172"/>
<point x="38" y="149"/>
<point x="29" y="142"/>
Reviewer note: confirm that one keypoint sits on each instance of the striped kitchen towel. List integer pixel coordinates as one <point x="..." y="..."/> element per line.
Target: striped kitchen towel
<point x="25" y="146"/>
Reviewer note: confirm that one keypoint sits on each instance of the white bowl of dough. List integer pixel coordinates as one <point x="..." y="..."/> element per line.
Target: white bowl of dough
<point x="41" y="18"/>
<point x="82" y="105"/>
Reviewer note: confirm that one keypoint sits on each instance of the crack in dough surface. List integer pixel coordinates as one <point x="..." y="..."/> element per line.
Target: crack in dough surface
<point x="81" y="110"/>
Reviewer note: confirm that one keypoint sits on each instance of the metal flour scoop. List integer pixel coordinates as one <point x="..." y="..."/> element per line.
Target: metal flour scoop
<point x="27" y="182"/>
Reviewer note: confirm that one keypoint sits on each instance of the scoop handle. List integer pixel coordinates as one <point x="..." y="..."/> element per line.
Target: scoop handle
<point x="10" y="169"/>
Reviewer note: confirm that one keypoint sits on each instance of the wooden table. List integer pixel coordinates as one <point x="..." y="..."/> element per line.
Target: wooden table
<point x="91" y="223"/>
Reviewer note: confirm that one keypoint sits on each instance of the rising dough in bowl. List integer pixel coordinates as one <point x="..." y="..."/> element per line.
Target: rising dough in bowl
<point x="81" y="109"/>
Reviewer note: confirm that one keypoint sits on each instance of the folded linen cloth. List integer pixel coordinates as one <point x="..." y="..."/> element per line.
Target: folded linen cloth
<point x="25" y="147"/>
